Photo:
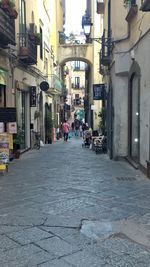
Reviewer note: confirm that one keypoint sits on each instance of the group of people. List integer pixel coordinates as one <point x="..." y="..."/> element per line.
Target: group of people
<point x="77" y="128"/>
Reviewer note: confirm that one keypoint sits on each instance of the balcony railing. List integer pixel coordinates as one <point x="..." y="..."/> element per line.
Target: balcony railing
<point x="75" y="86"/>
<point x="7" y="29"/>
<point x="105" y="54"/>
<point x="27" y="49"/>
<point x="54" y="83"/>
<point x="145" y="6"/>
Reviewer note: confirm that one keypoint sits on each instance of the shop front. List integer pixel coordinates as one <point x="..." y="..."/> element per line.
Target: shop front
<point x="23" y="114"/>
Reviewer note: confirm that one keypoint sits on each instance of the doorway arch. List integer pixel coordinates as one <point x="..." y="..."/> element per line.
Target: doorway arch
<point x="134" y="112"/>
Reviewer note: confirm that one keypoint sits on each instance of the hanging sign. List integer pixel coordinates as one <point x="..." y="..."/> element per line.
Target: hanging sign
<point x="33" y="96"/>
<point x="99" y="92"/>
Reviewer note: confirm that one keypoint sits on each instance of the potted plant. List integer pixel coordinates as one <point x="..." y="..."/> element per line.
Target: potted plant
<point x="18" y="140"/>
<point x="13" y="14"/>
<point x="49" y="127"/>
<point x="9" y="7"/>
<point x="37" y="38"/>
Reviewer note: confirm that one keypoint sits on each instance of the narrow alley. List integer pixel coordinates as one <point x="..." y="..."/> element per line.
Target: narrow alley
<point x="63" y="206"/>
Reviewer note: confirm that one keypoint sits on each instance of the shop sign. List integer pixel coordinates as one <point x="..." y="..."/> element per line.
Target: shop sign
<point x="4" y="148"/>
<point x="99" y="92"/>
<point x="7" y="115"/>
<point x="33" y="96"/>
<point x="12" y="127"/>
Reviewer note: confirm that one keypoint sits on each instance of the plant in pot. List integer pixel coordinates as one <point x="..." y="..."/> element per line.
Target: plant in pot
<point x="37" y="38"/>
<point x="17" y="142"/>
<point x="13" y="14"/>
<point x="9" y="7"/>
<point x="49" y="127"/>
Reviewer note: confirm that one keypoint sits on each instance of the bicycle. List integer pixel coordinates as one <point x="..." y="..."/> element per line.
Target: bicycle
<point x="37" y="141"/>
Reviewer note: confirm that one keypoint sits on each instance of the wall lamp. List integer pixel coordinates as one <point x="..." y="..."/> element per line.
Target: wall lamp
<point x="86" y="26"/>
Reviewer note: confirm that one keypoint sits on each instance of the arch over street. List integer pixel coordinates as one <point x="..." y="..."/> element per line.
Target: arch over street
<point x="71" y="52"/>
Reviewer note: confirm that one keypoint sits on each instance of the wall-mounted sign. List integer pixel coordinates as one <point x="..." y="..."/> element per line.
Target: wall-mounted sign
<point x="99" y="92"/>
<point x="33" y="96"/>
<point x="12" y="127"/>
<point x="44" y="86"/>
<point x="7" y="115"/>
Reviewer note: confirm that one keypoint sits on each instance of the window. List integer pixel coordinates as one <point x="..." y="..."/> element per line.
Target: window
<point x="77" y="82"/>
<point x="41" y="44"/>
<point x="77" y="65"/>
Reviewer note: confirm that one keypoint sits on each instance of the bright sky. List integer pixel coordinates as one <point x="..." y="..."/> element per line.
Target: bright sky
<point x="75" y="9"/>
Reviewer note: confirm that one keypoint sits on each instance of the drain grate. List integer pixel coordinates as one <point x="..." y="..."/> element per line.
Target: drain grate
<point x="126" y="178"/>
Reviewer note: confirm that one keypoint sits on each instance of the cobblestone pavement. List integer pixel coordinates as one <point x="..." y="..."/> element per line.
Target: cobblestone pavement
<point x="63" y="206"/>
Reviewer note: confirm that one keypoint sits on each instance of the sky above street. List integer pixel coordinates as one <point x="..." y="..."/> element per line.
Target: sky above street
<point x="75" y="9"/>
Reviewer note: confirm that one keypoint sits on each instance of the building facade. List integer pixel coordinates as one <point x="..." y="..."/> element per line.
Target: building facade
<point x="29" y="56"/>
<point x="125" y="61"/>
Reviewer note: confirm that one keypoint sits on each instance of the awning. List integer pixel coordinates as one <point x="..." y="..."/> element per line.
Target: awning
<point x="3" y="77"/>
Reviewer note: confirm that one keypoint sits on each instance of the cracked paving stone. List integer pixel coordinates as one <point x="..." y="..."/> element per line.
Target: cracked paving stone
<point x="56" y="263"/>
<point x="17" y="254"/>
<point x="10" y="229"/>
<point x="69" y="235"/>
<point x="83" y="259"/>
<point x="29" y="235"/>
<point x="6" y="243"/>
<point x="33" y="260"/>
<point x="57" y="246"/>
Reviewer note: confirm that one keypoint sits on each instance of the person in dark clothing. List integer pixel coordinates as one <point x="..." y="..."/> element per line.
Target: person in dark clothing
<point x="77" y="126"/>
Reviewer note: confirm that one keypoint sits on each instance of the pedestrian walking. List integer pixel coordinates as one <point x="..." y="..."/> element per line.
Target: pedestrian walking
<point x="65" y="128"/>
<point x="77" y="126"/>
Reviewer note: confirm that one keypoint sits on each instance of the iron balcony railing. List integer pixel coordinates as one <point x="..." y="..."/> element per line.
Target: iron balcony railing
<point x="55" y="83"/>
<point x="105" y="53"/>
<point x="27" y="49"/>
<point x="75" y="85"/>
<point x="7" y="29"/>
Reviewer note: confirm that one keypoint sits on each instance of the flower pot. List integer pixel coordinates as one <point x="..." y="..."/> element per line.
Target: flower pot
<point x="13" y="14"/>
<point x="23" y="51"/>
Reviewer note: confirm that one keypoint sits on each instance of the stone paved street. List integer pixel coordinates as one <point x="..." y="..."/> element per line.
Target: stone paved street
<point x="63" y="206"/>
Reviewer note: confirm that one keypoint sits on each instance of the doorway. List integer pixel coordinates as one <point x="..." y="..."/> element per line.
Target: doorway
<point x="134" y="118"/>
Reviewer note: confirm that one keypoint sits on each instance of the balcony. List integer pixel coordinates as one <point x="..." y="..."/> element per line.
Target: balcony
<point x="27" y="49"/>
<point x="77" y="102"/>
<point x="55" y="84"/>
<point x="145" y="7"/>
<point x="75" y="85"/>
<point x="100" y="6"/>
<point x="7" y="29"/>
<point x="105" y="53"/>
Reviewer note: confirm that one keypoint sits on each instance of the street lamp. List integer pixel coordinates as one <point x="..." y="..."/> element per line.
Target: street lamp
<point x="86" y="26"/>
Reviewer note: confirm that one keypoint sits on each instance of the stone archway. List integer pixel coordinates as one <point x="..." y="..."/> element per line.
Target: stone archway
<point x="70" y="52"/>
<point x="84" y="53"/>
